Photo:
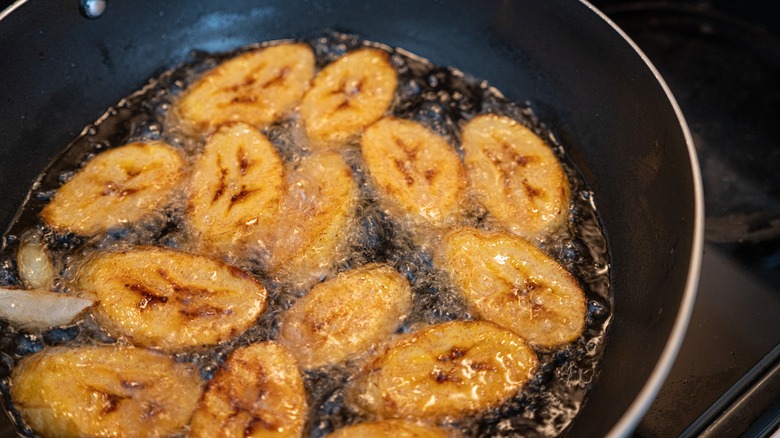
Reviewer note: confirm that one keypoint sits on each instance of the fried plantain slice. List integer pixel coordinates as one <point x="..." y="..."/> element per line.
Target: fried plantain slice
<point x="161" y="298"/>
<point x="256" y="87"/>
<point x="115" y="189"/>
<point x="258" y="392"/>
<point x="348" y="95"/>
<point x="451" y="369"/>
<point x="306" y="241"/>
<point x="515" y="175"/>
<point x="390" y="429"/>
<point x="104" y="391"/>
<point x="346" y="315"/>
<point x="415" y="169"/>
<point x="237" y="186"/>
<point x="511" y="282"/>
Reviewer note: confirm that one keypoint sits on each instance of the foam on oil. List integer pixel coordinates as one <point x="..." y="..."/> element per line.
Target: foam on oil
<point x="441" y="98"/>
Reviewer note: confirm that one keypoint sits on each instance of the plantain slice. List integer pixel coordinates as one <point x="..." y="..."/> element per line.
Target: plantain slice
<point x="257" y="87"/>
<point x="415" y="169"/>
<point x="346" y="315"/>
<point x="236" y="188"/>
<point x="451" y="369"/>
<point x="170" y="300"/>
<point x="258" y="392"/>
<point x="104" y="391"/>
<point x="348" y="95"/>
<point x="515" y="175"/>
<point x="314" y="220"/>
<point x="511" y="282"/>
<point x="390" y="429"/>
<point x="115" y="189"/>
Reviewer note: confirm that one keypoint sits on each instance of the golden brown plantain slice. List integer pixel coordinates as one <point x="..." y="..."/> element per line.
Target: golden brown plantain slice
<point x="515" y="175"/>
<point x="258" y="392"/>
<point x="104" y="391"/>
<point x="511" y="282"/>
<point x="415" y="169"/>
<point x="257" y="87"/>
<point x="390" y="429"/>
<point x="170" y="300"/>
<point x="314" y="219"/>
<point x="346" y="315"/>
<point x="348" y="95"/>
<point x="236" y="188"/>
<point x="446" y="370"/>
<point x="115" y="189"/>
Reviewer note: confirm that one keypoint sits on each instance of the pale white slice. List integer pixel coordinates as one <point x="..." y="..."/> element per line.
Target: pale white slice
<point x="34" y="262"/>
<point x="40" y="309"/>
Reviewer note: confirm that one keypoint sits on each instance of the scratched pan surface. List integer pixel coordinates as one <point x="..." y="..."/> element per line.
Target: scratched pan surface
<point x="59" y="71"/>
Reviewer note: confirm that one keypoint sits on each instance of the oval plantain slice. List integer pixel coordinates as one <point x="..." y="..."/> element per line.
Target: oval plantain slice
<point x="257" y="87"/>
<point x="390" y="429"/>
<point x="348" y="95"/>
<point x="451" y="369"/>
<point x="258" y="392"/>
<point x="104" y="391"/>
<point x="515" y="175"/>
<point x="321" y="199"/>
<point x="236" y="187"/>
<point x="346" y="315"/>
<point x="116" y="188"/>
<point x="416" y="169"/>
<point x="511" y="282"/>
<point x="170" y="300"/>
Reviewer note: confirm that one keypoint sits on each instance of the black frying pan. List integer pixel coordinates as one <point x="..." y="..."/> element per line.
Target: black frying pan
<point x="59" y="71"/>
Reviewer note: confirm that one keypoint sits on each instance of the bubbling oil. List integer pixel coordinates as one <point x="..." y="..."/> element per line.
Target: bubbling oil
<point x="441" y="98"/>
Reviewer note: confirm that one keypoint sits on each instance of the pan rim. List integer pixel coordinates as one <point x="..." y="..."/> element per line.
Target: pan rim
<point x="12" y="7"/>
<point x="632" y="416"/>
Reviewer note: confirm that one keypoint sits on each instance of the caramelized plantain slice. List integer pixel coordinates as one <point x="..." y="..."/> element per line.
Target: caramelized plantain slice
<point x="511" y="282"/>
<point x="516" y="176"/>
<point x="451" y="369"/>
<point x="104" y="391"/>
<point x="258" y="392"/>
<point x="256" y="87"/>
<point x="170" y="300"/>
<point x="415" y="170"/>
<point x="116" y="189"/>
<point x="346" y="315"/>
<point x="348" y="95"/>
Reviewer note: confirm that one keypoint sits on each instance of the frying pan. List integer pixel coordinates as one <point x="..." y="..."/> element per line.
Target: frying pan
<point x="595" y="91"/>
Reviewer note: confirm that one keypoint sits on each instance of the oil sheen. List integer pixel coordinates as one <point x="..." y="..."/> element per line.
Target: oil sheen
<point x="441" y="98"/>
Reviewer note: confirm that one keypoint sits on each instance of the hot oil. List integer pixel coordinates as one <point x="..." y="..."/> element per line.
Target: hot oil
<point x="441" y="98"/>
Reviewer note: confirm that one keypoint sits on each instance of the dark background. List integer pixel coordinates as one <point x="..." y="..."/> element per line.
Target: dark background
<point x="721" y="60"/>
